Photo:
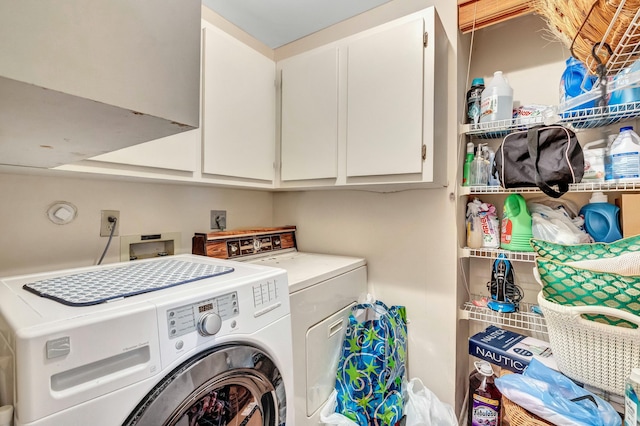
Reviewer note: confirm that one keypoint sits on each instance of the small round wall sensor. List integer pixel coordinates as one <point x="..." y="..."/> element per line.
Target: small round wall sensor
<point x="62" y="212"/>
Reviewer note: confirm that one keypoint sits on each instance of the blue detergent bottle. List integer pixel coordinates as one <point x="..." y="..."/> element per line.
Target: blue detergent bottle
<point x="576" y="81"/>
<point x="601" y="219"/>
<point x="630" y="94"/>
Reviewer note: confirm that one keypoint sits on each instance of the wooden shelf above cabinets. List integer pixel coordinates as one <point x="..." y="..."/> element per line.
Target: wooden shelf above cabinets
<point x="489" y="12"/>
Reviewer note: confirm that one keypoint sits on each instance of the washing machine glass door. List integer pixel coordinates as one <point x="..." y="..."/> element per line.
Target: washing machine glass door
<point x="231" y="385"/>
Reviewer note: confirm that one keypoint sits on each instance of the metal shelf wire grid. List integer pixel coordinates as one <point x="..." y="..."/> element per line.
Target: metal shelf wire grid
<point x="576" y="187"/>
<point x="579" y="119"/>
<point x="523" y="320"/>
<point x="626" y="51"/>
<point x="491" y="253"/>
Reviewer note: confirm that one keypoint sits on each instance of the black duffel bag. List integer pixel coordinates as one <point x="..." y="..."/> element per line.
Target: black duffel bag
<point x="542" y="156"/>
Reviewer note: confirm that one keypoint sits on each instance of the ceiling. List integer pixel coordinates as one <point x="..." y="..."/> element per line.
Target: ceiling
<point x="278" y="22"/>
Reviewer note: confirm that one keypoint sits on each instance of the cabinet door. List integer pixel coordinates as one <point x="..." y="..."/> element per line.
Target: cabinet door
<point x="176" y="152"/>
<point x="238" y="109"/>
<point x="309" y="144"/>
<point x="385" y="102"/>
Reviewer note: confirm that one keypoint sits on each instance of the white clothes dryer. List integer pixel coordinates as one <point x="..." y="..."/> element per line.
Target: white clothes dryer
<point x="322" y="288"/>
<point x="182" y="340"/>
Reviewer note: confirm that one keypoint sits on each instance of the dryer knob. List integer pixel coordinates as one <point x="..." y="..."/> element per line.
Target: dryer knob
<point x="209" y="324"/>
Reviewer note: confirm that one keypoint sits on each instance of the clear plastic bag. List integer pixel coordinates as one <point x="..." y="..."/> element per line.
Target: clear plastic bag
<point x="423" y="408"/>
<point x="556" y="398"/>
<point x="555" y="225"/>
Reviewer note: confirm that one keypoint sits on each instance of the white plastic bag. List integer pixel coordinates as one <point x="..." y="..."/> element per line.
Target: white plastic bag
<point x="423" y="408"/>
<point x="556" y="225"/>
<point x="328" y="414"/>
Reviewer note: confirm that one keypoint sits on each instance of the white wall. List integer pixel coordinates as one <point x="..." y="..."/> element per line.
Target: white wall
<point x="32" y="243"/>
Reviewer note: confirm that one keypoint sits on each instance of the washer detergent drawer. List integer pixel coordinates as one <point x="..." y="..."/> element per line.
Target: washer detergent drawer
<point x="63" y="364"/>
<point x="322" y="361"/>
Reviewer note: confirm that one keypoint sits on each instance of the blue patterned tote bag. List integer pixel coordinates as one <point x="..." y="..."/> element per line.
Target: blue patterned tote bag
<point x="372" y="365"/>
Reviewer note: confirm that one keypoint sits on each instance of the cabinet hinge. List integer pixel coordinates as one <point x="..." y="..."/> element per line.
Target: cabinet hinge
<point x="424" y="152"/>
<point x="425" y="39"/>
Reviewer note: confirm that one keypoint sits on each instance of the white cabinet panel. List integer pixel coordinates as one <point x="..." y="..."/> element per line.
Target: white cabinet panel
<point x="238" y="109"/>
<point x="309" y="145"/>
<point x="81" y="78"/>
<point x="176" y="152"/>
<point x="389" y="130"/>
<point x="385" y="95"/>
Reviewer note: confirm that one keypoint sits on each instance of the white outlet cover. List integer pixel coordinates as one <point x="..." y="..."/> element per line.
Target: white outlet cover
<point x="62" y="212"/>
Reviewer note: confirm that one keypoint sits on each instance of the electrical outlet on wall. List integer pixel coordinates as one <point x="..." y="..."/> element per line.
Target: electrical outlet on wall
<point x="107" y="222"/>
<point x="218" y="220"/>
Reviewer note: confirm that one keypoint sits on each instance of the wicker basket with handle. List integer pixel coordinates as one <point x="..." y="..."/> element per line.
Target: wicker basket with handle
<point x="581" y="24"/>
<point x="589" y="352"/>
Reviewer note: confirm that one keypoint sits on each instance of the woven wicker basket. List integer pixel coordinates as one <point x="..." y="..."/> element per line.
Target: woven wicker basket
<point x="589" y="352"/>
<point x="515" y="415"/>
<point x="580" y="24"/>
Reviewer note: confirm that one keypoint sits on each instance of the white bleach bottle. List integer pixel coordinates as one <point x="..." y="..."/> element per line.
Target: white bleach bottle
<point x="497" y="99"/>
<point x="624" y="156"/>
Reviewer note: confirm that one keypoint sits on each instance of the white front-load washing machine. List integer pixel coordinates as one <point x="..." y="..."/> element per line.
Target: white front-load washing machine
<point x="180" y="340"/>
<point x="322" y="288"/>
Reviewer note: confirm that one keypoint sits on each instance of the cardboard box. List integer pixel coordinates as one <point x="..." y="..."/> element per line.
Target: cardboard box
<point x="509" y="349"/>
<point x="629" y="218"/>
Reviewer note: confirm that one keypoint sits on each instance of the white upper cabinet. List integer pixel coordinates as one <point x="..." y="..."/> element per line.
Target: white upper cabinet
<point x="309" y="142"/>
<point x="239" y="109"/>
<point x="357" y="112"/>
<point x="235" y="146"/>
<point x="83" y="77"/>
<point x="361" y="111"/>
<point x="175" y="152"/>
<point x="384" y="98"/>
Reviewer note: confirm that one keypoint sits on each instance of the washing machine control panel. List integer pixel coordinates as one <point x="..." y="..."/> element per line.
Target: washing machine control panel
<point x="202" y="316"/>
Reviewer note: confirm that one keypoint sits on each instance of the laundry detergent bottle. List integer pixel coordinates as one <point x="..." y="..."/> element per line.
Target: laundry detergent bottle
<point x="576" y="81"/>
<point x="601" y="219"/>
<point x="474" y="101"/>
<point x="516" y="224"/>
<point x="484" y="397"/>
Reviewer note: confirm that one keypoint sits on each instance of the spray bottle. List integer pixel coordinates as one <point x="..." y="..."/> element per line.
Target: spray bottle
<point x="478" y="172"/>
<point x="466" y="169"/>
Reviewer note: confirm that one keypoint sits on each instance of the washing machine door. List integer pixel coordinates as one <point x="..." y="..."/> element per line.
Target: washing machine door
<point x="229" y="385"/>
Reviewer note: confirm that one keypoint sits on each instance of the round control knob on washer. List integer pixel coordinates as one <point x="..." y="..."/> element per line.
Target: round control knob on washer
<point x="209" y="324"/>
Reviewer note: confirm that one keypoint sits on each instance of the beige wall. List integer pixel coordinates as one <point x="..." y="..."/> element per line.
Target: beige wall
<point x="32" y="243"/>
<point x="408" y="239"/>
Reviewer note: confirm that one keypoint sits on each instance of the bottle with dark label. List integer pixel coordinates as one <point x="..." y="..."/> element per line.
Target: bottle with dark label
<point x="484" y="397"/>
<point x="474" y="100"/>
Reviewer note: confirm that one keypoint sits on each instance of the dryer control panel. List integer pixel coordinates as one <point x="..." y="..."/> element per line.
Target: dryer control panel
<point x="184" y="319"/>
